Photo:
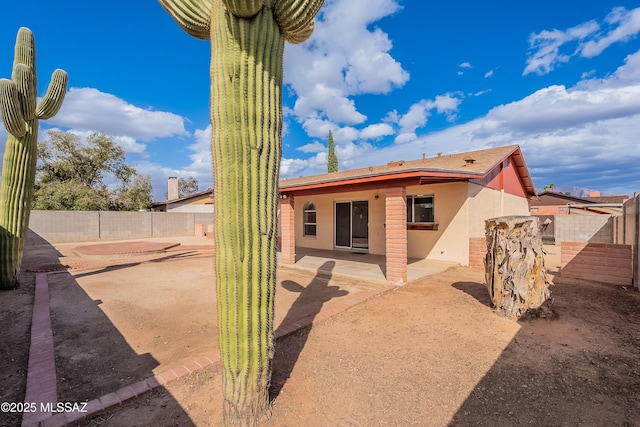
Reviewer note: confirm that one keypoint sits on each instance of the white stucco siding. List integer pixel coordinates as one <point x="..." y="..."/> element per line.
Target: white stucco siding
<point x="486" y="203"/>
<point x="450" y="241"/>
<point x="325" y="225"/>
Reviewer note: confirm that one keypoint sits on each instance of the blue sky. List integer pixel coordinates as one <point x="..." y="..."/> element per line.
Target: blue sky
<point x="391" y="79"/>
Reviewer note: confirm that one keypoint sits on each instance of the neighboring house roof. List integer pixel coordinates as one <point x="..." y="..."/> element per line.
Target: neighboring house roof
<point x="553" y="198"/>
<point x="601" y="204"/>
<point x="185" y="199"/>
<point x="469" y="166"/>
<point x="608" y="199"/>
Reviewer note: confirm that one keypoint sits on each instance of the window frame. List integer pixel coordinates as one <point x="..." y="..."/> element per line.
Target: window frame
<point x="412" y="224"/>
<point x="305" y="219"/>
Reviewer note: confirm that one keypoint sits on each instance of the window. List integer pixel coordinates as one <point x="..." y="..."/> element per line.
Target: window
<point x="309" y="219"/>
<point x="420" y="210"/>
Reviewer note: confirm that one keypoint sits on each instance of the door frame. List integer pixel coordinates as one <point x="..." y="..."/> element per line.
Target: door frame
<point x="335" y="225"/>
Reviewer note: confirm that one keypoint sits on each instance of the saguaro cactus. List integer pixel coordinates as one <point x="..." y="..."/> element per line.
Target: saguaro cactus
<point x="20" y="116"/>
<point x="247" y="39"/>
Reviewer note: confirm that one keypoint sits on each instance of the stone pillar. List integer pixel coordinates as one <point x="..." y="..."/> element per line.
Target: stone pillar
<point x="396" y="234"/>
<point x="287" y="230"/>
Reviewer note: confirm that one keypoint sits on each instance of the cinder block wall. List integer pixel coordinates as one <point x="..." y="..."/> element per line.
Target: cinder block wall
<point x="584" y="228"/>
<point x="477" y="251"/>
<point x="86" y="226"/>
<point x="607" y="263"/>
<point x="65" y="226"/>
<point x="125" y="225"/>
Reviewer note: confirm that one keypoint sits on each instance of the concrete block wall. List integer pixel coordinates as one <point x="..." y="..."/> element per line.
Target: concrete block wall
<point x="125" y="225"/>
<point x="88" y="226"/>
<point x="66" y="226"/>
<point x="583" y="228"/>
<point x="477" y="251"/>
<point x="607" y="263"/>
<point x="170" y="224"/>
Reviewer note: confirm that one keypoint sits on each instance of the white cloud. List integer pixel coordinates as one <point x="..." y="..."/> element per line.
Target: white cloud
<point x="314" y="147"/>
<point x="488" y="74"/>
<point x="620" y="25"/>
<point x="585" y="135"/>
<point x="344" y="57"/>
<point x="419" y="113"/>
<point x="376" y="131"/>
<point x="545" y="47"/>
<point x="465" y="65"/>
<point x="88" y="109"/>
<point x="625" y="25"/>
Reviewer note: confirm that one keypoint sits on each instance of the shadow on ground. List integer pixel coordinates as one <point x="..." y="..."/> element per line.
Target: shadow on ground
<point x="310" y="300"/>
<point x="584" y="372"/>
<point x="92" y="357"/>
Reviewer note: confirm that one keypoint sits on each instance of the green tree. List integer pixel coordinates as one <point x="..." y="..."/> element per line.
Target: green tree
<point x="332" y="160"/>
<point x="247" y="46"/>
<point x="134" y="196"/>
<point x="187" y="186"/>
<point x="87" y="175"/>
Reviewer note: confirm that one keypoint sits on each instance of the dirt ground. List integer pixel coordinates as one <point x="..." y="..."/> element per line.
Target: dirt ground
<point x="431" y="353"/>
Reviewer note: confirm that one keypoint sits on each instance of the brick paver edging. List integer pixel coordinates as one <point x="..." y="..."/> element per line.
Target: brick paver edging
<point x="131" y="391"/>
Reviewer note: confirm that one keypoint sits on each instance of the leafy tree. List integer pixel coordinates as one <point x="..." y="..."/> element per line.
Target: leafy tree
<point x="550" y="187"/>
<point x="332" y="161"/>
<point x="87" y="175"/>
<point x="187" y="186"/>
<point x="135" y="196"/>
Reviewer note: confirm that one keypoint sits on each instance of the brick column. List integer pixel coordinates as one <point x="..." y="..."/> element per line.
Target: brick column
<point x="287" y="230"/>
<point x="396" y="234"/>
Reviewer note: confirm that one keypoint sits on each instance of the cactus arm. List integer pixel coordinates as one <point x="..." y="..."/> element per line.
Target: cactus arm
<point x="295" y="18"/>
<point x="52" y="101"/>
<point x="244" y="8"/>
<point x="10" y="109"/>
<point x="193" y="16"/>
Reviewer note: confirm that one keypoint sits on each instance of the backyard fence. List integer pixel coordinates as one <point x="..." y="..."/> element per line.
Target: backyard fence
<point x="82" y="226"/>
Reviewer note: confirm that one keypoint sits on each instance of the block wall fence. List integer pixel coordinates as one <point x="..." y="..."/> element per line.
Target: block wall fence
<point x="600" y="262"/>
<point x="88" y="226"/>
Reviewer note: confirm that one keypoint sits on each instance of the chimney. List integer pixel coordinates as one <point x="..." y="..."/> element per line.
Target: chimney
<point x="469" y="160"/>
<point x="594" y="193"/>
<point x="173" y="194"/>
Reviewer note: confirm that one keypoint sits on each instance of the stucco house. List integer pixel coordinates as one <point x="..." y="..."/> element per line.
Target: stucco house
<point x="431" y="208"/>
<point x="201" y="202"/>
<point x="554" y="203"/>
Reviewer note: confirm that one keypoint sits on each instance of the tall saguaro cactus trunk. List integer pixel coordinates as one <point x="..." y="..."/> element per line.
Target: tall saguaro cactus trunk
<point x="247" y="39"/>
<point x="20" y="116"/>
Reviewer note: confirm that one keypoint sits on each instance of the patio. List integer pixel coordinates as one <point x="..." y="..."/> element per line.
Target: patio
<point x="360" y="265"/>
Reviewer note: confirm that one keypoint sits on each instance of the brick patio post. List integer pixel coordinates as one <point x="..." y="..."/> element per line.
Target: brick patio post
<point x="287" y="230"/>
<point x="396" y="234"/>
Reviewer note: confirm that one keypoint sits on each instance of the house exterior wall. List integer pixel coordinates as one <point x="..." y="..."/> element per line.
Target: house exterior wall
<point x="325" y="208"/>
<point x="460" y="211"/>
<point x="450" y="241"/>
<point x="190" y="207"/>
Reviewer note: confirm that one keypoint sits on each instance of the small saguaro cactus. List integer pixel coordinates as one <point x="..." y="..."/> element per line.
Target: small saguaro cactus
<point x="20" y="115"/>
<point x="247" y="43"/>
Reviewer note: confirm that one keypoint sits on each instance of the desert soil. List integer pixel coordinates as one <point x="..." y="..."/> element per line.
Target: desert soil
<point x="431" y="353"/>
